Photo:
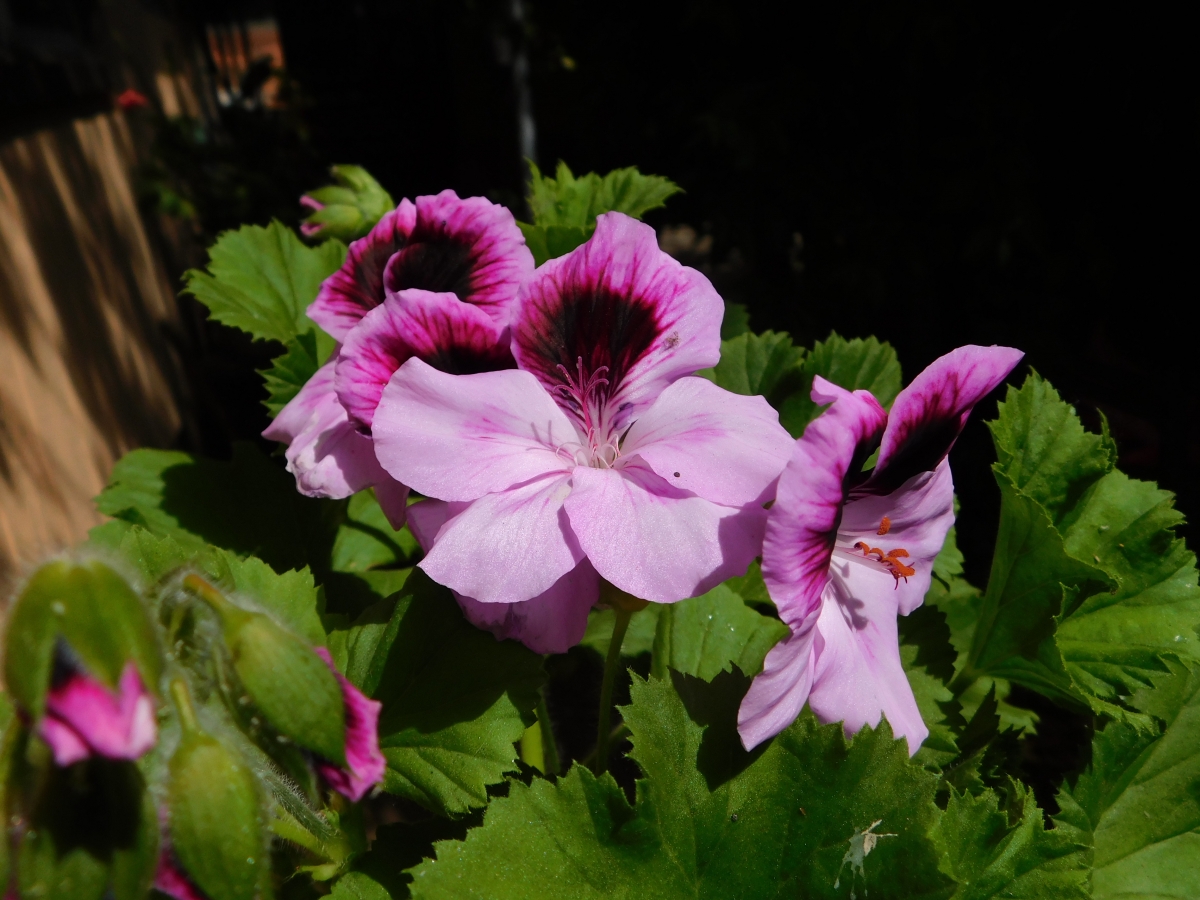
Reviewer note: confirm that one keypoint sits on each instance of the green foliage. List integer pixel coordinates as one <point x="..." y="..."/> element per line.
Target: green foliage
<point x="639" y="638"/>
<point x="351" y="207"/>
<point x="247" y="505"/>
<point x="565" y="207"/>
<point x="454" y="698"/>
<point x="261" y="280"/>
<point x="858" y="364"/>
<point x="707" y="634"/>
<point x="1090" y="592"/>
<point x="928" y="659"/>
<point x="768" y="364"/>
<point x="736" y="320"/>
<point x="366" y="539"/>
<point x="1138" y="801"/>
<point x="711" y="820"/>
<point x="1003" y="850"/>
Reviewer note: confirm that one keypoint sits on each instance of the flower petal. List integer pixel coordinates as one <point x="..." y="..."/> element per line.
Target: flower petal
<point x="919" y="513"/>
<point x="929" y="414"/>
<point x="723" y="447"/>
<point x="509" y="546"/>
<point x="803" y="523"/>
<point x="365" y="763"/>
<point x="858" y="674"/>
<point x="326" y="452"/>
<point x="655" y="541"/>
<point x="114" y="724"/>
<point x="439" y="329"/>
<point x="618" y="302"/>
<point x="357" y="287"/>
<point x="426" y="518"/>
<point x="552" y="622"/>
<point x="170" y="879"/>
<point x="458" y="437"/>
<point x="471" y="248"/>
<point x="779" y="692"/>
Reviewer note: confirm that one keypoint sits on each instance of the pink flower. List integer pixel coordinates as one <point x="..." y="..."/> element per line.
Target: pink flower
<point x="365" y="765"/>
<point x="600" y="452"/>
<point x="471" y="248"/>
<point x="846" y="551"/>
<point x="131" y="99"/>
<point x="84" y="717"/>
<point x="435" y="280"/>
<point x="170" y="879"/>
<point x="311" y="229"/>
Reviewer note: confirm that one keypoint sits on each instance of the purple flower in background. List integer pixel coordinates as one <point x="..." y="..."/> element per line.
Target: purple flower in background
<point x="436" y="280"/>
<point x="846" y="551"/>
<point x="600" y="456"/>
<point x="85" y="718"/>
<point x="471" y="248"/>
<point x="365" y="765"/>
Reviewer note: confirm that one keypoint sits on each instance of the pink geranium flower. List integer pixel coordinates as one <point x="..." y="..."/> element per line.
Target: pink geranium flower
<point x="436" y="280"/>
<point x="601" y="456"/>
<point x="365" y="764"/>
<point x="85" y="717"/>
<point x="846" y="551"/>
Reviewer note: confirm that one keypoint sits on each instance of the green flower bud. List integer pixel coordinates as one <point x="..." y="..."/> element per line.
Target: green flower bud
<point x="214" y="812"/>
<point x="288" y="682"/>
<point x="347" y="210"/>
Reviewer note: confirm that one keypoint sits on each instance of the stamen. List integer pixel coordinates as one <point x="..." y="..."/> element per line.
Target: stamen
<point x="602" y="449"/>
<point x="891" y="560"/>
<point x="885" y="525"/>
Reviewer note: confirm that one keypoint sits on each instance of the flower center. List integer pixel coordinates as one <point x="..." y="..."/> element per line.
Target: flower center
<point x="586" y="395"/>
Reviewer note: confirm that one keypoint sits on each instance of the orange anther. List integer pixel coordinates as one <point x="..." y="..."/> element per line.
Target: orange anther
<point x="885" y="525"/>
<point x="899" y="551"/>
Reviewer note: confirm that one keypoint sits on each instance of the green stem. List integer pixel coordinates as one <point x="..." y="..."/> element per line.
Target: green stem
<point x="533" y="751"/>
<point x="183" y="704"/>
<point x="611" y="664"/>
<point x="549" y="745"/>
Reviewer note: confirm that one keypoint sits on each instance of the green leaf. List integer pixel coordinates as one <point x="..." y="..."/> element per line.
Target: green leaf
<point x="215" y="819"/>
<point x="767" y="364"/>
<point x="291" y="370"/>
<point x="928" y="658"/>
<point x="711" y="820"/>
<point x="366" y="540"/>
<point x="565" y="207"/>
<point x="994" y="851"/>
<point x="553" y="241"/>
<point x="351" y="207"/>
<point x="707" y="634"/>
<point x="1139" y="799"/>
<point x="855" y="365"/>
<point x="569" y="201"/>
<point x="454" y="698"/>
<point x="751" y="587"/>
<point x="248" y="505"/>
<point x="261" y="280"/>
<point x="736" y="320"/>
<point x="1090" y="592"/>
<point x="1032" y="582"/>
<point x="357" y="886"/>
<point x="290" y="598"/>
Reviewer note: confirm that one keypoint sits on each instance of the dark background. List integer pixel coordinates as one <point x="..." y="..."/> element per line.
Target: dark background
<point x="931" y="173"/>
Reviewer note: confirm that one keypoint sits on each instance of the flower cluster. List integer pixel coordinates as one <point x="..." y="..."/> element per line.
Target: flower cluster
<point x="554" y="423"/>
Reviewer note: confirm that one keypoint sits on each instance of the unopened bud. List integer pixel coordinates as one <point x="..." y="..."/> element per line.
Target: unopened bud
<point x="288" y="682"/>
<point x="347" y="210"/>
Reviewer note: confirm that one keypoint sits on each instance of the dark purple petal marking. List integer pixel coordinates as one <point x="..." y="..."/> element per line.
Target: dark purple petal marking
<point x="438" y="329"/>
<point x="469" y="247"/>
<point x="930" y="413"/>
<point x="613" y="322"/>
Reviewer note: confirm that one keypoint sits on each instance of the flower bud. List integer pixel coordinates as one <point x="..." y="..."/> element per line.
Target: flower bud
<point x="81" y="658"/>
<point x="347" y="210"/>
<point x="365" y="765"/>
<point x="214" y="817"/>
<point x="288" y="682"/>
